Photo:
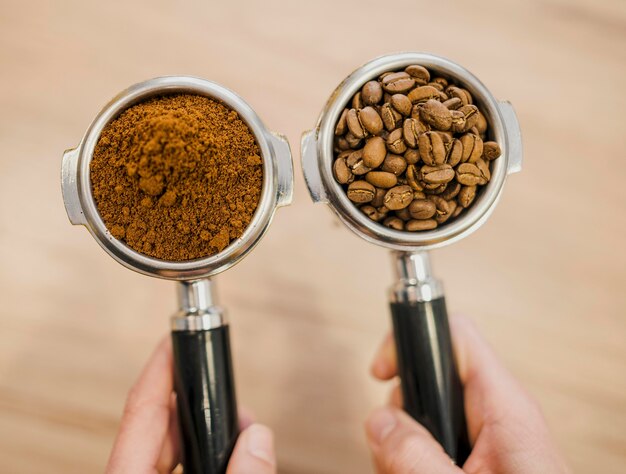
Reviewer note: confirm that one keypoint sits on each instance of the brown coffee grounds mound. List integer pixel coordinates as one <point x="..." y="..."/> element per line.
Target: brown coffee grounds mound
<point x="177" y="177"/>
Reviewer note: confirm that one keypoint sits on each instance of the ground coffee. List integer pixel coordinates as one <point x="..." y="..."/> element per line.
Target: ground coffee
<point x="411" y="149"/>
<point x="177" y="177"/>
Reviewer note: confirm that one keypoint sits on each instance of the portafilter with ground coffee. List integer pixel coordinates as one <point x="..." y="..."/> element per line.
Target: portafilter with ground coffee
<point x="207" y="409"/>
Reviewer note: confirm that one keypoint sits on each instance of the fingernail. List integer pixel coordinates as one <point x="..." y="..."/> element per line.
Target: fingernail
<point x="380" y="423"/>
<point x="261" y="443"/>
<point x="246" y="418"/>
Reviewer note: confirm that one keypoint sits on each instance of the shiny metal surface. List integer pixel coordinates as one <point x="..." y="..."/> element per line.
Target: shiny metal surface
<point x="277" y="180"/>
<point x="414" y="281"/>
<point x="317" y="155"/>
<point x="197" y="307"/>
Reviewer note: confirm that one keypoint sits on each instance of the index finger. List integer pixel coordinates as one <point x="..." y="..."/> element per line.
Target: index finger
<point x="146" y="419"/>
<point x="473" y="355"/>
<point x="485" y="379"/>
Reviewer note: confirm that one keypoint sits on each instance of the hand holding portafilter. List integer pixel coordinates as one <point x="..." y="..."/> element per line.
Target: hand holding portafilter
<point x="431" y="388"/>
<point x="207" y="409"/>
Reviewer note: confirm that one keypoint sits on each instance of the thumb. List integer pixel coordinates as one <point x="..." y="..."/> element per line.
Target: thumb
<point x="254" y="452"/>
<point x="400" y="445"/>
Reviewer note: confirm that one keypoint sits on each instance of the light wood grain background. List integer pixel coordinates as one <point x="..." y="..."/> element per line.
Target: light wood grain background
<point x="544" y="279"/>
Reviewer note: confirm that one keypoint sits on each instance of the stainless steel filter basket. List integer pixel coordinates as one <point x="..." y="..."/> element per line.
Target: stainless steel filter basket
<point x="277" y="180"/>
<point x="317" y="155"/>
<point x="205" y="390"/>
<point x="431" y="388"/>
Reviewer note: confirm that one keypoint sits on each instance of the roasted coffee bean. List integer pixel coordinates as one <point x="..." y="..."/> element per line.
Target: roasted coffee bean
<point x="345" y="154"/>
<point x="460" y="93"/>
<point x="442" y="218"/>
<point x="429" y="187"/>
<point x="453" y="103"/>
<point x="452" y="205"/>
<point x="419" y="195"/>
<point x="415" y="111"/>
<point x="422" y="209"/>
<point x="457" y="211"/>
<point x="423" y="94"/>
<point x="485" y="174"/>
<point x="354" y="124"/>
<point x="371" y="212"/>
<point x="431" y="148"/>
<point x="436" y="115"/>
<point x="452" y="190"/>
<point x="370" y="120"/>
<point x="394" y="222"/>
<point x="472" y="148"/>
<point x="471" y="116"/>
<point x="374" y="152"/>
<point x="401" y="104"/>
<point x="412" y="156"/>
<point x="437" y="174"/>
<point x="412" y="129"/>
<point x="341" y="144"/>
<point x="395" y="142"/>
<point x="466" y="196"/>
<point x="419" y="73"/>
<point x="342" y="173"/>
<point x="454" y="152"/>
<point x="491" y="151"/>
<point x="398" y="197"/>
<point x="382" y="209"/>
<point x="412" y="178"/>
<point x="397" y="82"/>
<point x="361" y="191"/>
<point x="379" y="198"/>
<point x="341" y="127"/>
<point x="470" y="99"/>
<point x="447" y="136"/>
<point x="443" y="208"/>
<point x="390" y="116"/>
<point x="395" y="164"/>
<point x="436" y="85"/>
<point x="403" y="214"/>
<point x="353" y="142"/>
<point x="356" y="164"/>
<point x="481" y="123"/>
<point x="442" y="81"/>
<point x="468" y="174"/>
<point x="458" y="121"/>
<point x="357" y="102"/>
<point x="421" y="224"/>
<point x="435" y="189"/>
<point x="371" y="93"/>
<point x="381" y="179"/>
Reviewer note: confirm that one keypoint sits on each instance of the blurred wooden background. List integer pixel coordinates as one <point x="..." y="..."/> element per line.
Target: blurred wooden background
<point x="544" y="279"/>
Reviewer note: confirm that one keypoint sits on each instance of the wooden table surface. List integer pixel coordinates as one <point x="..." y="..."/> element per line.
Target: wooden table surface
<point x="544" y="278"/>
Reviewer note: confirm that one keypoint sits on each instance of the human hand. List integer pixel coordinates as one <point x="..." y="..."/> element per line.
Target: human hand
<point x="506" y="428"/>
<point x="147" y="441"/>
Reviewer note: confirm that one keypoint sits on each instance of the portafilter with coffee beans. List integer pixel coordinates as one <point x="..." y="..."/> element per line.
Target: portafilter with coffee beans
<point x="367" y="105"/>
<point x="207" y="409"/>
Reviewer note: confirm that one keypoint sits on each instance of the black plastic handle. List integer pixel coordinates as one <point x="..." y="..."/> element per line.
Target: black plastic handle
<point x="207" y="406"/>
<point x="431" y="387"/>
